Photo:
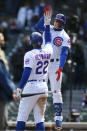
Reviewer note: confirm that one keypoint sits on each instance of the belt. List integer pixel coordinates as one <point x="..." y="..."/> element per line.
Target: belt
<point x="52" y="60"/>
<point x="36" y="80"/>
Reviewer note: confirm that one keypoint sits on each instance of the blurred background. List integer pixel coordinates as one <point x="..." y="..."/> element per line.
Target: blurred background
<point x="17" y="20"/>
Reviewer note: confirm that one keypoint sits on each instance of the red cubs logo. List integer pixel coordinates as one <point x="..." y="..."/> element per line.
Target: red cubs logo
<point x="58" y="41"/>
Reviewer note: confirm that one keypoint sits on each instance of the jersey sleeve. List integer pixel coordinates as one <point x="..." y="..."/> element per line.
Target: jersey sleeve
<point x="63" y="56"/>
<point x="66" y="41"/>
<point x="40" y="24"/>
<point x="28" y="60"/>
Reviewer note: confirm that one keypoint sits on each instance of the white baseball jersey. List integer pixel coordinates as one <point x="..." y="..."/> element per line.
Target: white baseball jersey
<point x="59" y="39"/>
<point x="38" y="60"/>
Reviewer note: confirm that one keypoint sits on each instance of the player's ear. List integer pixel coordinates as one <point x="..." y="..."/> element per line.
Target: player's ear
<point x="39" y="43"/>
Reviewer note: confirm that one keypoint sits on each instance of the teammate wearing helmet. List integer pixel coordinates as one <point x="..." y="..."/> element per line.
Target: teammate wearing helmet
<point x="34" y="80"/>
<point x="60" y="43"/>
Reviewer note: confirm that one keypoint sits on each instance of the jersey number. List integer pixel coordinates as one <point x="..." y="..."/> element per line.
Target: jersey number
<point x="42" y="65"/>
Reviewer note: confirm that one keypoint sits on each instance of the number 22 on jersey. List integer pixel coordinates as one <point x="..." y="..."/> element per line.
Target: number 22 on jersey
<point x="41" y="67"/>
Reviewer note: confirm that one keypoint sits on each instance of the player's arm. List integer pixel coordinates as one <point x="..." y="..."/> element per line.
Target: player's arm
<point x="28" y="64"/>
<point x="24" y="79"/>
<point x="63" y="58"/>
<point x="25" y="76"/>
<point x="47" y="35"/>
<point x="40" y="25"/>
<point x="47" y="20"/>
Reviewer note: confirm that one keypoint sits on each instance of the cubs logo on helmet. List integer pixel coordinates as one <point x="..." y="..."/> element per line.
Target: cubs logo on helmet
<point x="58" y="41"/>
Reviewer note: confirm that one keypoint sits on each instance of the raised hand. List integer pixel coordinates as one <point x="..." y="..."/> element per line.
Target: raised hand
<point x="47" y="15"/>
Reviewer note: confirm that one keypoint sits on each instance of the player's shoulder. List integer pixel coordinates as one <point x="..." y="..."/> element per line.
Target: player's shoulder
<point x="29" y="53"/>
<point x="65" y="34"/>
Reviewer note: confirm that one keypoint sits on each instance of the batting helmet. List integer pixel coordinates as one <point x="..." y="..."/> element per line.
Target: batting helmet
<point x="36" y="38"/>
<point x="62" y="19"/>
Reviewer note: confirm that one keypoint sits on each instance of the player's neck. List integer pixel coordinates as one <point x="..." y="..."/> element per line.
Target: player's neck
<point x="57" y="29"/>
<point x="36" y="47"/>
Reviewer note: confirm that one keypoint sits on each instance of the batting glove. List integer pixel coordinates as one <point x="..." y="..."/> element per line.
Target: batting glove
<point x="58" y="72"/>
<point x="47" y="15"/>
<point x="17" y="94"/>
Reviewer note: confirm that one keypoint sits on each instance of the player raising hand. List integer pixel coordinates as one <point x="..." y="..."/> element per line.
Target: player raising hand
<point x="60" y="43"/>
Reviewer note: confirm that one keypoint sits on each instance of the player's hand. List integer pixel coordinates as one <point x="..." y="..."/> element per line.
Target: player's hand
<point x="58" y="72"/>
<point x="47" y="15"/>
<point x="17" y="94"/>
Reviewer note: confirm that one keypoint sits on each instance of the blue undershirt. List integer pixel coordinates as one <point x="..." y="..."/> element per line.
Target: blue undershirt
<point x="47" y="35"/>
<point x="63" y="56"/>
<point x="25" y="76"/>
<point x="40" y="24"/>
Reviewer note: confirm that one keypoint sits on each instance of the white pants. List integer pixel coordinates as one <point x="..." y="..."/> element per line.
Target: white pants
<point x="37" y="103"/>
<point x="55" y="85"/>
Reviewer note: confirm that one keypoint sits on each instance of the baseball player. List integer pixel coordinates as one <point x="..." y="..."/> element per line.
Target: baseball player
<point x="60" y="44"/>
<point x="34" y="80"/>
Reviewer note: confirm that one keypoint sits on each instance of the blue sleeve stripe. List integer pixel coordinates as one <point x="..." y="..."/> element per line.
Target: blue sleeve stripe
<point x="47" y="34"/>
<point x="25" y="76"/>
<point x="40" y="24"/>
<point x="63" y="56"/>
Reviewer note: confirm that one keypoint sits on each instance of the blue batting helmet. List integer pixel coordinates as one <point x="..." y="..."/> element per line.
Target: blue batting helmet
<point x="62" y="19"/>
<point x="36" y="38"/>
